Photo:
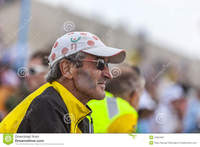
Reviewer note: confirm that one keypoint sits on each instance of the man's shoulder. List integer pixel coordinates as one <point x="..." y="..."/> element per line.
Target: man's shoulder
<point x="125" y="106"/>
<point x="49" y="97"/>
<point x="45" y="114"/>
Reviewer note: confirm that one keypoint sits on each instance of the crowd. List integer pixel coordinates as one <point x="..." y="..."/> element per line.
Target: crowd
<point x="168" y="104"/>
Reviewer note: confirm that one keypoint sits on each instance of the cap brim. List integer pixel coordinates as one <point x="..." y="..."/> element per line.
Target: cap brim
<point x="114" y="55"/>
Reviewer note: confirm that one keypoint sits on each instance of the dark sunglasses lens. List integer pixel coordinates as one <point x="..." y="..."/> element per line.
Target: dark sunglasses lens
<point x="32" y="71"/>
<point x="100" y="64"/>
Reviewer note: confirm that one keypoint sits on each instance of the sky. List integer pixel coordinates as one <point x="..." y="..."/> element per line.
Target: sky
<point x="172" y="23"/>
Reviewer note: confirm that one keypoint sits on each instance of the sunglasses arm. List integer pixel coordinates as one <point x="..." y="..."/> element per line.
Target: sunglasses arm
<point x="89" y="60"/>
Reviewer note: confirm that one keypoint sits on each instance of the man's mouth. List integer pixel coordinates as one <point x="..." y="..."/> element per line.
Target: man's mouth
<point x="102" y="84"/>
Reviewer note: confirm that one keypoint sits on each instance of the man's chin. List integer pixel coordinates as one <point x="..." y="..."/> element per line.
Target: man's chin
<point x="99" y="96"/>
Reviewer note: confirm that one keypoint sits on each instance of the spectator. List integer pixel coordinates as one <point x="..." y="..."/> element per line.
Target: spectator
<point x="191" y="121"/>
<point x="37" y="69"/>
<point x="78" y="72"/>
<point x="171" y="107"/>
<point x="147" y="107"/>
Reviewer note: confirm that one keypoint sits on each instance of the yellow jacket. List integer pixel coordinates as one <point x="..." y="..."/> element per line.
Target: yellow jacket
<point x="113" y="115"/>
<point x="49" y="109"/>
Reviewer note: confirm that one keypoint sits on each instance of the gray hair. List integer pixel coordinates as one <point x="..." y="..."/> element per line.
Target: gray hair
<point x="55" y="73"/>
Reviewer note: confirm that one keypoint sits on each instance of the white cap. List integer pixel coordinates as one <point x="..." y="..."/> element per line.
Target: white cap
<point x="74" y="42"/>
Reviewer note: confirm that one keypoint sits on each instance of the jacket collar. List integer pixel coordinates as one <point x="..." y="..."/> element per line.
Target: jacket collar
<point x="77" y="109"/>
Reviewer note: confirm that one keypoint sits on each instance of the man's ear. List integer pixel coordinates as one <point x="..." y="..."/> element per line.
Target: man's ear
<point x="65" y="68"/>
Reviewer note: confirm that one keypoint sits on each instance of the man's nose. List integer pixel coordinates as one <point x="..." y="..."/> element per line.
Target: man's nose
<point x="106" y="73"/>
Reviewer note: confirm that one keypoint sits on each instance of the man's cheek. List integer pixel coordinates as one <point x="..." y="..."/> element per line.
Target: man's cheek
<point x="86" y="79"/>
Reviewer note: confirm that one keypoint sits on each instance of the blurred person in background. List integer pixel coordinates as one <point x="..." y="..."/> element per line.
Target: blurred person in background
<point x="78" y="73"/>
<point x="117" y="113"/>
<point x="153" y="73"/>
<point x="149" y="99"/>
<point x="191" y="121"/>
<point x="9" y="85"/>
<point x="146" y="110"/>
<point x="37" y="69"/>
<point x="171" y="109"/>
<point x="34" y="78"/>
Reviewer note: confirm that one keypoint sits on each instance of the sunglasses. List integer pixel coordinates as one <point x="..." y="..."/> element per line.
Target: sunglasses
<point x="36" y="70"/>
<point x="100" y="63"/>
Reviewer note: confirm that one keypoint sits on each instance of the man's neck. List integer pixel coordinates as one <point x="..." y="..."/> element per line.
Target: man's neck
<point x="69" y="85"/>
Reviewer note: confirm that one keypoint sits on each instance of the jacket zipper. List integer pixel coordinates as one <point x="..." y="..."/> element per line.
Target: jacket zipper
<point x="90" y="125"/>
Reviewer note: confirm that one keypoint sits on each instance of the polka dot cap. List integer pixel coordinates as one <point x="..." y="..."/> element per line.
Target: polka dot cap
<point x="74" y="42"/>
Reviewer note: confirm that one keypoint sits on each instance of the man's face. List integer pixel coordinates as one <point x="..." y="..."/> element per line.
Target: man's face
<point x="91" y="81"/>
<point x="36" y="76"/>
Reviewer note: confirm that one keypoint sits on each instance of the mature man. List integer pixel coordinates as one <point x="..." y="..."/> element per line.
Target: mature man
<point x="117" y="113"/>
<point x="78" y="73"/>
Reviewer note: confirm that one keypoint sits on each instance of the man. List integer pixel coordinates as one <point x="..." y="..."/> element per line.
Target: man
<point x="117" y="112"/>
<point x="78" y="72"/>
<point x="37" y="69"/>
<point x="34" y="78"/>
<point x="171" y="107"/>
